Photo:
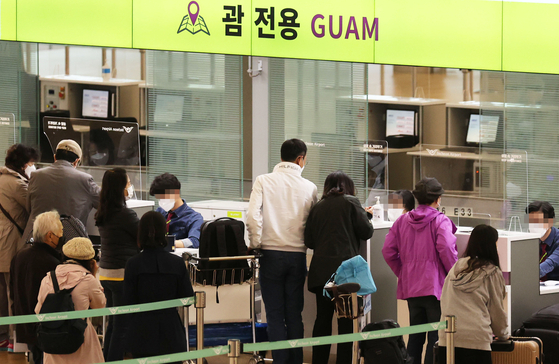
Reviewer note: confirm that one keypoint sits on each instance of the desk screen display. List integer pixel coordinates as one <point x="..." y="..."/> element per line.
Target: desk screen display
<point x="482" y="129"/>
<point x="400" y="122"/>
<point x="95" y="103"/>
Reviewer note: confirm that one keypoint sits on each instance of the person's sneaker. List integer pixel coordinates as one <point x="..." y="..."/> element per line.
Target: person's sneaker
<point x="4" y="345"/>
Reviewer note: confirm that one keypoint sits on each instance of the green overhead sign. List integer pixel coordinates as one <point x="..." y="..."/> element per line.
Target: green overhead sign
<point x="8" y="19"/>
<point x="508" y="35"/>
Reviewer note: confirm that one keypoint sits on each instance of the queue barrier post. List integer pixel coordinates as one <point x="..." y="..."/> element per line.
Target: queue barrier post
<point x="234" y="351"/>
<point x="186" y="322"/>
<point x="450" y="331"/>
<point x="200" y="305"/>
<point x="355" y="312"/>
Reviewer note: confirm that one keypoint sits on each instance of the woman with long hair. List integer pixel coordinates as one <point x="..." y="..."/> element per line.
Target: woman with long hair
<point x="334" y="229"/>
<point x="118" y="229"/>
<point x="151" y="276"/>
<point x="474" y="291"/>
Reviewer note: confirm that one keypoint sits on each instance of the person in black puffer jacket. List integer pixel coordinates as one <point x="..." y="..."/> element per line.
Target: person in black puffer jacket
<point x="335" y="227"/>
<point x="118" y="228"/>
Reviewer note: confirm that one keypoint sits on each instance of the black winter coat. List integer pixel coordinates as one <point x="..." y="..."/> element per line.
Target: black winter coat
<point x="151" y="276"/>
<point x="27" y="270"/>
<point x="335" y="227"/>
<point x="119" y="239"/>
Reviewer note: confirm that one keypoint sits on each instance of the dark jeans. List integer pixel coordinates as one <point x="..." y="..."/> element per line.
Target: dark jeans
<point x="466" y="356"/>
<point x="423" y="310"/>
<point x="282" y="279"/>
<point x="36" y="354"/>
<point x="113" y="347"/>
<point x="323" y="327"/>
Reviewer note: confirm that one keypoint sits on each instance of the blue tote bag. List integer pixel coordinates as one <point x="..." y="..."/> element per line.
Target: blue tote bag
<point x="355" y="270"/>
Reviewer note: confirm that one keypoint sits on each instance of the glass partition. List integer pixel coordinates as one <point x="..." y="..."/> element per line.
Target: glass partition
<point x="8" y="130"/>
<point x="321" y="103"/>
<point x="482" y="185"/>
<point x="105" y="145"/>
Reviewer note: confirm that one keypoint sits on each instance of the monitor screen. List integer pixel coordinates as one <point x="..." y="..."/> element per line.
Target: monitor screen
<point x="95" y="103"/>
<point x="482" y="129"/>
<point x="400" y="122"/>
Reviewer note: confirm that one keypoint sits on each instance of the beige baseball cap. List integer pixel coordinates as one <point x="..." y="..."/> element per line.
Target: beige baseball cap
<point x="71" y="146"/>
<point x="79" y="248"/>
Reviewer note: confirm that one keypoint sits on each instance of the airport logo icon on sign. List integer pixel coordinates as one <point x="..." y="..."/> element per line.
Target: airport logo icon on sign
<point x="193" y="22"/>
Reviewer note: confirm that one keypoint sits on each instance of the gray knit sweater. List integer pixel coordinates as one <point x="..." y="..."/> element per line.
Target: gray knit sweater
<point x="476" y="299"/>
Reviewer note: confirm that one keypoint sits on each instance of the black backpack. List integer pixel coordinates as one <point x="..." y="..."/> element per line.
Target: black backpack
<point x="223" y="237"/>
<point x="60" y="337"/>
<point x="544" y="324"/>
<point x="390" y="350"/>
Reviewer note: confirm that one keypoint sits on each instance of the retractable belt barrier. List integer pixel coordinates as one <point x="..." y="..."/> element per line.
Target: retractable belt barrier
<point x="121" y="310"/>
<point x="288" y="344"/>
<point x="227" y="349"/>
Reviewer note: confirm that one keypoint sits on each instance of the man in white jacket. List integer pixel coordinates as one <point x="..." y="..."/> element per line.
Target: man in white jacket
<point x="279" y="206"/>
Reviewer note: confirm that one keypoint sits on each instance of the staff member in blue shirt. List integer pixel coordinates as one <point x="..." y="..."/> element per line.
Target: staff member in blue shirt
<point x="182" y="221"/>
<point x="541" y="216"/>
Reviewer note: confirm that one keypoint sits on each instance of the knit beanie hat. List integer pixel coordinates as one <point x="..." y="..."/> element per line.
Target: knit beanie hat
<point x="79" y="248"/>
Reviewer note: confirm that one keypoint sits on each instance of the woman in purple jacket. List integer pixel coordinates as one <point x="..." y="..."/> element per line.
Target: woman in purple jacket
<point x="420" y="249"/>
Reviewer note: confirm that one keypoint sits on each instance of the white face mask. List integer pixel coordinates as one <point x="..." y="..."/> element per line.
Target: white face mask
<point x="30" y="169"/>
<point x="537" y="228"/>
<point x="130" y="192"/>
<point x="394" y="214"/>
<point x="100" y="159"/>
<point x="166" y="204"/>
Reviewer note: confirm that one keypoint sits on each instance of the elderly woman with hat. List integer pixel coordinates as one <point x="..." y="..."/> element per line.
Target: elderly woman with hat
<point x="420" y="248"/>
<point x="78" y="270"/>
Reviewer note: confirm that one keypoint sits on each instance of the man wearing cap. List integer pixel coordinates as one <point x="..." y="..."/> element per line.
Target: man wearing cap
<point x="62" y="187"/>
<point x="420" y="248"/>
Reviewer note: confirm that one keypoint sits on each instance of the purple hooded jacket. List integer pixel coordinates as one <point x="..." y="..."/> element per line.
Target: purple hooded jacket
<point x="420" y="248"/>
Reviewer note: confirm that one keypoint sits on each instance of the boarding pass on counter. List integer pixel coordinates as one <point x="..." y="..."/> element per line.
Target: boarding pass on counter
<point x="192" y="251"/>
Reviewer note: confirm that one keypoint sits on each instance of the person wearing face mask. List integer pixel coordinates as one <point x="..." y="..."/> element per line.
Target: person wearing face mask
<point x="278" y="208"/>
<point x="182" y="221"/>
<point x="118" y="229"/>
<point x="62" y="187"/>
<point x="13" y="217"/>
<point x="27" y="270"/>
<point x="541" y="217"/>
<point x="400" y="202"/>
<point x="420" y="248"/>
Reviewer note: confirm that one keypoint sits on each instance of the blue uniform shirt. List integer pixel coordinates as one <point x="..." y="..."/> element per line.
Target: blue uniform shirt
<point x="551" y="264"/>
<point x="185" y="224"/>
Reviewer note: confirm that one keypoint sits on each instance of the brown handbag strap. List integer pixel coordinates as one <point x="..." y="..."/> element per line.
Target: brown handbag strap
<point x="11" y="219"/>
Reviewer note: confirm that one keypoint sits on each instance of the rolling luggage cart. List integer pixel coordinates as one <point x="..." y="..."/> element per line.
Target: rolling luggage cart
<point x="348" y="305"/>
<point x="226" y="276"/>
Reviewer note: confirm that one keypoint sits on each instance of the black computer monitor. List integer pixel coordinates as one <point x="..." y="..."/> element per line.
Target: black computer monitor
<point x="482" y="129"/>
<point x="401" y="128"/>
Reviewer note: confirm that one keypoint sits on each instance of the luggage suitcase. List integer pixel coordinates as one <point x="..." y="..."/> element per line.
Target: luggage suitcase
<point x="518" y="350"/>
<point x="391" y="350"/>
<point x="223" y="237"/>
<point x="544" y="324"/>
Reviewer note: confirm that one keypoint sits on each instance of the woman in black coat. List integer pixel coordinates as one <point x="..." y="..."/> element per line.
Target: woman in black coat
<point x="118" y="227"/>
<point x="335" y="227"/>
<point x="151" y="276"/>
